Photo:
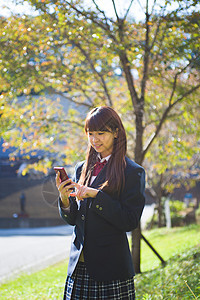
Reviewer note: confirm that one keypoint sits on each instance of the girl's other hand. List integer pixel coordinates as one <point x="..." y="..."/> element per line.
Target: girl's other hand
<point x="84" y="192"/>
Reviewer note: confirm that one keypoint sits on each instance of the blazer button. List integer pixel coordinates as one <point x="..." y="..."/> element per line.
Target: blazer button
<point x="100" y="208"/>
<point x="97" y="206"/>
<point x="83" y="217"/>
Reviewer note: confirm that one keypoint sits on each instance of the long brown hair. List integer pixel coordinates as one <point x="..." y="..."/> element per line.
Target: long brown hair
<point x="105" y="118"/>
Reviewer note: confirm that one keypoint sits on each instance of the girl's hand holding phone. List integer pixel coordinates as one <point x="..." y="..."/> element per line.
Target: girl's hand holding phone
<point x="64" y="188"/>
<point x="66" y="185"/>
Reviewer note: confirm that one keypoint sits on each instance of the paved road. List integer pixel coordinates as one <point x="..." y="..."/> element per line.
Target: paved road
<point x="32" y="249"/>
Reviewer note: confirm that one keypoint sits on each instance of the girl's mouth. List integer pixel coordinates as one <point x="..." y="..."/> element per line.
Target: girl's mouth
<point x="97" y="146"/>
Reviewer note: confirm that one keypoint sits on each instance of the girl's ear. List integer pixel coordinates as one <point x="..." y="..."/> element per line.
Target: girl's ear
<point x="116" y="133"/>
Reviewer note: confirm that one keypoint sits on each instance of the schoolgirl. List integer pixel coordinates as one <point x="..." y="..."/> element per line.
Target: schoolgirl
<point x="107" y="202"/>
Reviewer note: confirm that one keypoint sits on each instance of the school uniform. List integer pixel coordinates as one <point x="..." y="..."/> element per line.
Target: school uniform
<point x="100" y="224"/>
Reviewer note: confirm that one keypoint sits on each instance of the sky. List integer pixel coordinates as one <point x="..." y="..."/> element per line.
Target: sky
<point x="106" y="5"/>
<point x="137" y="9"/>
<point x="21" y="9"/>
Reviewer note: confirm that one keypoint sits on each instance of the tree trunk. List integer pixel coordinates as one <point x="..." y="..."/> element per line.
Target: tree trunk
<point x="139" y="156"/>
<point x="138" y="105"/>
<point x="159" y="194"/>
<point x="136" y="241"/>
<point x="136" y="234"/>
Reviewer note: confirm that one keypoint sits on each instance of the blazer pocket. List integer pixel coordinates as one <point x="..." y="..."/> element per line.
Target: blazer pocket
<point x="109" y="240"/>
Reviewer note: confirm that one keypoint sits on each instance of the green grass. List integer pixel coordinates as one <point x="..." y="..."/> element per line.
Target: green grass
<point x="179" y="280"/>
<point x="178" y="246"/>
<point x="168" y="243"/>
<point x="43" y="285"/>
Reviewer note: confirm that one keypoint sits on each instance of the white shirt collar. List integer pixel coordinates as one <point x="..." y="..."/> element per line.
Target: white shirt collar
<point x="104" y="158"/>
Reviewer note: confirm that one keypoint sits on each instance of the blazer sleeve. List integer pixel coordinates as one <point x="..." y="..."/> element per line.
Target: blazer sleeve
<point x="69" y="214"/>
<point x="124" y="213"/>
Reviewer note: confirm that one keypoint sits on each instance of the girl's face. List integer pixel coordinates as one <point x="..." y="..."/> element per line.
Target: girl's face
<point x="102" y="141"/>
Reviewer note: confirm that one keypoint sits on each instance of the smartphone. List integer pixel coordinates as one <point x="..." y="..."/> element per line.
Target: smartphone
<point x="63" y="174"/>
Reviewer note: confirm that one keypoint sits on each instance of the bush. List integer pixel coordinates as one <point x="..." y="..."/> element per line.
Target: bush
<point x="180" y="215"/>
<point x="176" y="212"/>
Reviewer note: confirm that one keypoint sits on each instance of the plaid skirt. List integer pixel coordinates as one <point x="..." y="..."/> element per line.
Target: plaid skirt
<point x="80" y="286"/>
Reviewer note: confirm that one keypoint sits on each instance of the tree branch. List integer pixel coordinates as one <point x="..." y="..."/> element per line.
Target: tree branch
<point x="52" y="90"/>
<point x="86" y="55"/>
<point x="115" y="9"/>
<point x="157" y="29"/>
<point x="103" y="13"/>
<point x="62" y="121"/>
<point x="146" y="55"/>
<point x="153" y="6"/>
<point x="160" y="44"/>
<point x="74" y="122"/>
<point x="129" y="79"/>
<point x="186" y="94"/>
<point x="126" y="14"/>
<point x="140" y="6"/>
<point x="175" y="80"/>
<point x="155" y="134"/>
<point x="165" y="114"/>
<point x="101" y="25"/>
<point x="95" y="71"/>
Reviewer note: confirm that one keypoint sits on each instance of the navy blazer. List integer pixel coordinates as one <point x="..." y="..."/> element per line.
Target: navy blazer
<point x="100" y="225"/>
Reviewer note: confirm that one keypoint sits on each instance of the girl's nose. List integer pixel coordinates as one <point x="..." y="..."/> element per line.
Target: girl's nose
<point x="95" y="138"/>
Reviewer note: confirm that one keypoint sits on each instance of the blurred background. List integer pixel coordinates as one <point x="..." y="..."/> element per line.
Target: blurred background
<point x="58" y="60"/>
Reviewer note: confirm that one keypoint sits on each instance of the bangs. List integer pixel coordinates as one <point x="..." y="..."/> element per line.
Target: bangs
<point x="97" y="122"/>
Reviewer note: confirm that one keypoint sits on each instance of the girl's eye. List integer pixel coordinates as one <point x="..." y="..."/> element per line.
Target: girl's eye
<point x="99" y="133"/>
